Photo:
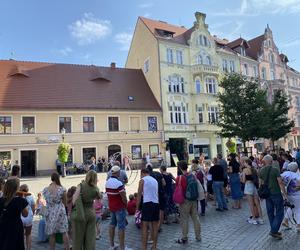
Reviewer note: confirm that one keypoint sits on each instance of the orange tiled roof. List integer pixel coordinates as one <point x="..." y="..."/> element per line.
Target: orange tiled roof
<point x="37" y="85"/>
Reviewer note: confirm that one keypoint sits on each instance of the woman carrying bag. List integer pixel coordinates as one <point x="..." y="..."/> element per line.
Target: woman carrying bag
<point x="83" y="216"/>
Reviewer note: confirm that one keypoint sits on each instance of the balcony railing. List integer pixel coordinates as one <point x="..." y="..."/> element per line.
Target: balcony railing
<point x="204" y="68"/>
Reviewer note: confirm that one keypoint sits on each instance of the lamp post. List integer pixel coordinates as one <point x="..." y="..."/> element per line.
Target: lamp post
<point x="63" y="170"/>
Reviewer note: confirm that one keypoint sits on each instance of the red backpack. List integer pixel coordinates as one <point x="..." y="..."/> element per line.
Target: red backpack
<point x="200" y="176"/>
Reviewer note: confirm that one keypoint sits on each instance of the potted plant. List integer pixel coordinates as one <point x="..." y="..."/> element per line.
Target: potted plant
<point x="63" y="152"/>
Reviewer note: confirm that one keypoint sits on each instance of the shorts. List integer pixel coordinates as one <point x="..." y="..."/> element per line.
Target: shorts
<point x="27" y="230"/>
<point x="150" y="211"/>
<point x="118" y="218"/>
<point x="250" y="189"/>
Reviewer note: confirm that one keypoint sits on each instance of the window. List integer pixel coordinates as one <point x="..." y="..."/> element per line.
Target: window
<point x="200" y="40"/>
<point x="136" y="152"/>
<point x="263" y="73"/>
<point x="243" y="51"/>
<point x="28" y="125"/>
<point x="211" y="86"/>
<point x="225" y="69"/>
<point x="272" y="74"/>
<point x="198" y="86"/>
<point x="87" y="154"/>
<point x="231" y="66"/>
<point x="146" y="66"/>
<point x="65" y="122"/>
<point x="176" y="84"/>
<point x="113" y="123"/>
<point x="246" y="69"/>
<point x="178" y="113"/>
<point x="5" y="125"/>
<point x="5" y="159"/>
<point x="179" y="57"/>
<point x="88" y="124"/>
<point x="135" y="123"/>
<point x="169" y="55"/>
<point x="152" y="123"/>
<point x="199" y="59"/>
<point x="208" y="60"/>
<point x="298" y="103"/>
<point x="153" y="150"/>
<point x="213" y="114"/>
<point x="255" y="73"/>
<point x="200" y="114"/>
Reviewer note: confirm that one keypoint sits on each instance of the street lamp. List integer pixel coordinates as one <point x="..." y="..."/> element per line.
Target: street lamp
<point x="63" y="132"/>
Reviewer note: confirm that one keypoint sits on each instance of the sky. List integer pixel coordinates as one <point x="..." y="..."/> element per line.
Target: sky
<point x="99" y="31"/>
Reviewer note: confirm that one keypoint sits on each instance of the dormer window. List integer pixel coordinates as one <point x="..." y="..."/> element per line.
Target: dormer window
<point x="18" y="71"/>
<point x="165" y="33"/>
<point x="243" y="51"/>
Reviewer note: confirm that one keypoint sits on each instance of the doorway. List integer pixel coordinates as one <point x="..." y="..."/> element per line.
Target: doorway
<point x="28" y="163"/>
<point x="178" y="146"/>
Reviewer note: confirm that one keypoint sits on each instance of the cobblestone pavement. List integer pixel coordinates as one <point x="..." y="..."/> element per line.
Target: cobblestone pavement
<point x="220" y="230"/>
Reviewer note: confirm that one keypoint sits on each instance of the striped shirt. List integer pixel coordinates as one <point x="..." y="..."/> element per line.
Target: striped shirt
<point x="113" y="189"/>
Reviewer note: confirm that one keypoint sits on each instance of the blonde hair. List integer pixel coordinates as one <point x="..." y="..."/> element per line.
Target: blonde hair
<point x="10" y="189"/>
<point x="91" y="178"/>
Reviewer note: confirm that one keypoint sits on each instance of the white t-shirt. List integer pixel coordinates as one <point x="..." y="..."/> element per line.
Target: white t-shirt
<point x="27" y="221"/>
<point x="150" y="190"/>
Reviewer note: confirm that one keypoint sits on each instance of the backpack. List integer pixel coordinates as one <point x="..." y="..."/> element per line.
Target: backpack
<point x="191" y="193"/>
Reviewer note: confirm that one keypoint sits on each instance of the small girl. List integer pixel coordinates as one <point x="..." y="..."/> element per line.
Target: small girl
<point x="98" y="206"/>
<point x="40" y="203"/>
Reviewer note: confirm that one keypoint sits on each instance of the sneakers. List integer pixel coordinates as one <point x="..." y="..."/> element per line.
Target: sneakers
<point x="251" y="221"/>
<point x="260" y="221"/>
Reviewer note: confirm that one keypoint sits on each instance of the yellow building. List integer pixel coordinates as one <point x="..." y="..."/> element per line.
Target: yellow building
<point x="103" y="110"/>
<point x="182" y="67"/>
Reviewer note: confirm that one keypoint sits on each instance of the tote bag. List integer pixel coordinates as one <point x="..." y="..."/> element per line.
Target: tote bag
<point x="178" y="196"/>
<point x="77" y="213"/>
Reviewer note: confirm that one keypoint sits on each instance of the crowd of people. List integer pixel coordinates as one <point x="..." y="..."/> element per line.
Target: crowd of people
<point x="74" y="216"/>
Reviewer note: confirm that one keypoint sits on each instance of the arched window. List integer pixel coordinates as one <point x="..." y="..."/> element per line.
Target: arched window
<point x="199" y="59"/>
<point x="208" y="60"/>
<point x="271" y="58"/>
<point x="200" y="40"/>
<point x="263" y="73"/>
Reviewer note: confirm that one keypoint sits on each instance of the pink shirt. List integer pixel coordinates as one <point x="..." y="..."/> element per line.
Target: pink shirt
<point x="98" y="207"/>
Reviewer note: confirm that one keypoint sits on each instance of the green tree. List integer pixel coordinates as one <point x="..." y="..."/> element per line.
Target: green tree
<point x="241" y="102"/>
<point x="276" y="123"/>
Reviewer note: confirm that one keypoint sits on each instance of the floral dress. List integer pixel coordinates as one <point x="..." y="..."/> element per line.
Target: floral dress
<point x="55" y="216"/>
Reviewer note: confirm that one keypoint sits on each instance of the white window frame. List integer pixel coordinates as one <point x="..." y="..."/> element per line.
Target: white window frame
<point x="179" y="57"/>
<point x="225" y="65"/>
<point x="198" y="84"/>
<point x="129" y="122"/>
<point x="211" y="83"/>
<point x="170" y="56"/>
<point x="11" y="124"/>
<point x="119" y="122"/>
<point x="231" y="66"/>
<point x="213" y="114"/>
<point x="72" y="130"/>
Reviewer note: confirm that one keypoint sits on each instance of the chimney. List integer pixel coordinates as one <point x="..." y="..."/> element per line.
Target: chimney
<point x="112" y="65"/>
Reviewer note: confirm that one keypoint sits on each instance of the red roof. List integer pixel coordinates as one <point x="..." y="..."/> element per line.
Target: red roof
<point x="255" y="46"/>
<point x="36" y="85"/>
<point x="238" y="42"/>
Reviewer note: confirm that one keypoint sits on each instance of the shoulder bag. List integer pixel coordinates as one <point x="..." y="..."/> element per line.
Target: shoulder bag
<point x="178" y="196"/>
<point x="264" y="191"/>
<point x="77" y="213"/>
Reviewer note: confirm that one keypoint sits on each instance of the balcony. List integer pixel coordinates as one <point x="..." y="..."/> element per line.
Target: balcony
<point x="200" y="68"/>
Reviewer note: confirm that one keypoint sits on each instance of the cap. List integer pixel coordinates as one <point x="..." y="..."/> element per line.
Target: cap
<point x="115" y="169"/>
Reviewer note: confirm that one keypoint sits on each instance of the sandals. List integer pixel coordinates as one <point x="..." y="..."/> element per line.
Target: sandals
<point x="181" y="241"/>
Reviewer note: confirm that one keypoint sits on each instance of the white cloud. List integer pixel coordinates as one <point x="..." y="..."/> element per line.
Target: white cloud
<point x="292" y="43"/>
<point x="257" y="7"/>
<point x="89" y="29"/>
<point x="124" y="39"/>
<point x="221" y="32"/>
<point x="65" y="51"/>
<point x="145" y="5"/>
<point x="147" y="15"/>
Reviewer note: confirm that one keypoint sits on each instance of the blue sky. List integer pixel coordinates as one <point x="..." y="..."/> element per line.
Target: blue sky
<point x="99" y="32"/>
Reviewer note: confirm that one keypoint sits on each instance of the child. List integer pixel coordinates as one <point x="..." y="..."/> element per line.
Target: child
<point x="131" y="205"/>
<point x="98" y="206"/>
<point x="27" y="221"/>
<point x="40" y="203"/>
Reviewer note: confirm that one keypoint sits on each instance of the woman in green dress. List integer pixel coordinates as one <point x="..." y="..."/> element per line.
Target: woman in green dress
<point x="84" y="234"/>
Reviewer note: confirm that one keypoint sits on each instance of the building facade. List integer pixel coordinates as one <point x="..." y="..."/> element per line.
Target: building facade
<point x="103" y="111"/>
<point x="183" y="67"/>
